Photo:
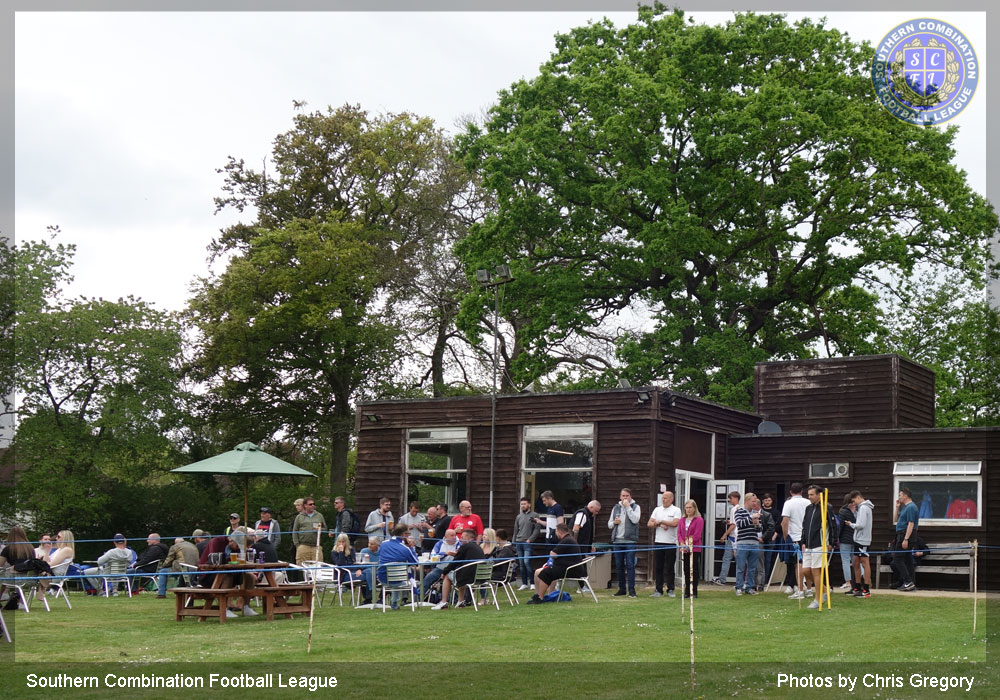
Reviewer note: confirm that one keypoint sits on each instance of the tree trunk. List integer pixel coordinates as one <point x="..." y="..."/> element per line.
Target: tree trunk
<point x="340" y="442"/>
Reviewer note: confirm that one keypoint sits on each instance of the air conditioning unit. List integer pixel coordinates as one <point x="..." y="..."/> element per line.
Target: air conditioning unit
<point x="829" y="470"/>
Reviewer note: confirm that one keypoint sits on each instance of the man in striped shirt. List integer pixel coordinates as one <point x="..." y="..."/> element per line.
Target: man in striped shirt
<point x="747" y="545"/>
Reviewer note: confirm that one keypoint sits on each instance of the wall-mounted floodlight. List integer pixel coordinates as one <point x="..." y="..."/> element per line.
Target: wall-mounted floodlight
<point x="643" y="396"/>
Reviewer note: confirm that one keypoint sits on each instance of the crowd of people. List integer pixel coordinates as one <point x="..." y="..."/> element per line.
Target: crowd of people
<point x="758" y="533"/>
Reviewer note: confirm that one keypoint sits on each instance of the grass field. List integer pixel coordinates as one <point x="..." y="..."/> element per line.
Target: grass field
<point x="741" y="644"/>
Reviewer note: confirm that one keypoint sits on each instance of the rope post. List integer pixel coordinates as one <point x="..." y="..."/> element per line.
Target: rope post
<point x="690" y="588"/>
<point x="823" y="571"/>
<point x="975" y="584"/>
<point x="312" y="601"/>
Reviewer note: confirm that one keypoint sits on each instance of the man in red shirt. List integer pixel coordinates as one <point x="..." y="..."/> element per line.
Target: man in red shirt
<point x="467" y="520"/>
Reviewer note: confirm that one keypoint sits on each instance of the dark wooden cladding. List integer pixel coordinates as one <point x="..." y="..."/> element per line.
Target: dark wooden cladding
<point x="692" y="450"/>
<point x="847" y="393"/>
<point x="379" y="470"/>
<point x="625" y="460"/>
<point x="506" y="475"/>
<point x="766" y="461"/>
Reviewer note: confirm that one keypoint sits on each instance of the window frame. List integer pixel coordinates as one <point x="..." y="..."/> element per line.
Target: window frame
<point x="945" y="471"/>
<point x="549" y="431"/>
<point x="431" y="440"/>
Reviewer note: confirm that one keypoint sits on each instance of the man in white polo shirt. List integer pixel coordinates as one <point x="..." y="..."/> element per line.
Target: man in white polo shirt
<point x="791" y="526"/>
<point x="663" y="521"/>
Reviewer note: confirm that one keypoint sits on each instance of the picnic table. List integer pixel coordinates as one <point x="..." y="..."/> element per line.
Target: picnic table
<point x="239" y="581"/>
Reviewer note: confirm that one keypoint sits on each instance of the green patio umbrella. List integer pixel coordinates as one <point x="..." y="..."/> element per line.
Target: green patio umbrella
<point x="245" y="460"/>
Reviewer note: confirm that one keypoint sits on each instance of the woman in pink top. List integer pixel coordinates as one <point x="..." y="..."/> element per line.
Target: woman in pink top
<point x="691" y="527"/>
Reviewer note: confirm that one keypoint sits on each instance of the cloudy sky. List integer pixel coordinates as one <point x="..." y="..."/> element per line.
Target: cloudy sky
<point x="123" y="118"/>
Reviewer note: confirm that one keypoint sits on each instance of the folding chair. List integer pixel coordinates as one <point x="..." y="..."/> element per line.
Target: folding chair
<point x="326" y="576"/>
<point x="580" y="567"/>
<point x="9" y="580"/>
<point x="57" y="584"/>
<point x="145" y="574"/>
<point x="113" y="574"/>
<point x="482" y="582"/>
<point x="3" y="626"/>
<point x="397" y="578"/>
<point x="507" y="567"/>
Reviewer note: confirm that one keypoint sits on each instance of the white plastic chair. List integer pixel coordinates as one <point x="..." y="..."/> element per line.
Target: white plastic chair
<point x="15" y="583"/>
<point x="507" y="567"/>
<point x="113" y="574"/>
<point x="326" y="576"/>
<point x="58" y="583"/>
<point x="3" y="627"/>
<point x="581" y="566"/>
<point x="397" y="578"/>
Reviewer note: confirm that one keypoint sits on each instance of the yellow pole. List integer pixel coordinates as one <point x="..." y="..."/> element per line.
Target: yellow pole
<point x="823" y="567"/>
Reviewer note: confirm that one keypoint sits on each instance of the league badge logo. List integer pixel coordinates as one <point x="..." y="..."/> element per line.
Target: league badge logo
<point x="925" y="71"/>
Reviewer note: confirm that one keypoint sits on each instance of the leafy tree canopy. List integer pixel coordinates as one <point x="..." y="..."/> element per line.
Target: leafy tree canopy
<point x="737" y="185"/>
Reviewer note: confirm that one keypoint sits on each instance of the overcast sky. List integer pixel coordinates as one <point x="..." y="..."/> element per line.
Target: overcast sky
<point x="123" y="118"/>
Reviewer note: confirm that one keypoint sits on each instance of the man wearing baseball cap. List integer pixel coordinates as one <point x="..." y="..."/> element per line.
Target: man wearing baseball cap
<point x="119" y="552"/>
<point x="269" y="525"/>
<point x="234" y="522"/>
<point x="200" y="539"/>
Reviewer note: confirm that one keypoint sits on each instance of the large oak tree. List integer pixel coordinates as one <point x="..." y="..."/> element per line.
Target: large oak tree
<point x="737" y="185"/>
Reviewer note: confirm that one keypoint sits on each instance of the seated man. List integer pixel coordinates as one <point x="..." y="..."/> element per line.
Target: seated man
<point x="182" y="552"/>
<point x="119" y="552"/>
<point x="564" y="554"/>
<point x="396" y="550"/>
<point x="468" y="552"/>
<point x="146" y="563"/>
<point x="443" y="552"/>
<point x="262" y="544"/>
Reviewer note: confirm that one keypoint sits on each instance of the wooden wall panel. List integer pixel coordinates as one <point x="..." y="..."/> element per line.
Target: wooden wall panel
<point x="766" y="461"/>
<point x="379" y="471"/>
<point x="849" y="393"/>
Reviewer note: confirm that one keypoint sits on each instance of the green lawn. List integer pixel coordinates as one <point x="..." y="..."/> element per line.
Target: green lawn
<point x="741" y="644"/>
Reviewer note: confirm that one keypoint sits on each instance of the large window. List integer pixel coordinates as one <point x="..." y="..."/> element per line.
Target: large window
<point x="559" y="458"/>
<point x="947" y="493"/>
<point x="436" y="466"/>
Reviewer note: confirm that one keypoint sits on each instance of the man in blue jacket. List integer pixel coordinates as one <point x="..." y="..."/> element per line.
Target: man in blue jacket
<point x="395" y="550"/>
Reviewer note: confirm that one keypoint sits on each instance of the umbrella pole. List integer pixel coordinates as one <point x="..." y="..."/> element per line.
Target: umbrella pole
<point x="246" y="501"/>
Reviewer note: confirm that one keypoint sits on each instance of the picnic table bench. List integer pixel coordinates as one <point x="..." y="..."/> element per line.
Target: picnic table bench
<point x="239" y="581"/>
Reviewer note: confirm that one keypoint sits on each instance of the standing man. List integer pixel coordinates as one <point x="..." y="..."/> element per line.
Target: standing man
<point x="906" y="531"/>
<point x="416" y="523"/>
<point x="443" y="521"/>
<point x="304" y="529"/>
<point x="624" y="526"/>
<point x="526" y="533"/>
<point x="792" y="513"/>
<point x="380" y="520"/>
<point x="747" y="545"/>
<point x="342" y="521"/>
<point x="728" y="539"/>
<point x="554" y="515"/>
<point x="269" y="525"/>
<point x="663" y="522"/>
<point x="583" y="531"/>
<point x="862" y="527"/>
<point x="583" y="525"/>
<point x="812" y="542"/>
<point x="466" y="520"/>
<point x="234" y="522"/>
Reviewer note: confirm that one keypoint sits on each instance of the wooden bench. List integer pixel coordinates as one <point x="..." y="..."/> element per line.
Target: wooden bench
<point x="276" y="599"/>
<point x="954" y="553"/>
<point x="215" y="602"/>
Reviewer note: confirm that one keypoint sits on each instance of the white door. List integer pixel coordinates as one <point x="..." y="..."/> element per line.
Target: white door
<point x="715" y="522"/>
<point x="696" y="486"/>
